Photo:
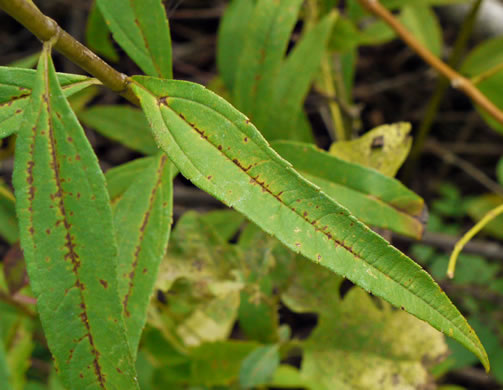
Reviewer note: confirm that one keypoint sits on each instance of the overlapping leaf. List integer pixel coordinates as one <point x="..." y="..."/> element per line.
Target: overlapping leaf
<point x="356" y="343"/>
<point x="15" y="92"/>
<point x="374" y="198"/>
<point x="486" y="56"/>
<point x="124" y="124"/>
<point x="98" y="35"/>
<point x="8" y="222"/>
<point x="142" y="220"/>
<point x="263" y="84"/>
<point x="120" y="178"/>
<point x="66" y="234"/>
<point x="383" y="148"/>
<point x="4" y="369"/>
<point x="422" y="22"/>
<point x="141" y="28"/>
<point x="220" y="151"/>
<point x="197" y="274"/>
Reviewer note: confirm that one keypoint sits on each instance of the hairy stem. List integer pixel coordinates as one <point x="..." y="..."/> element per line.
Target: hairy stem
<point x="46" y="29"/>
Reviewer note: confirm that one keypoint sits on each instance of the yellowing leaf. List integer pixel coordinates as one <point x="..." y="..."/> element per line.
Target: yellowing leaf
<point x="384" y="148"/>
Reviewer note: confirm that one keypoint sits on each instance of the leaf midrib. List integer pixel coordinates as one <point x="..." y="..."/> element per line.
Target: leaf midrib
<point x="163" y="102"/>
<point x="66" y="224"/>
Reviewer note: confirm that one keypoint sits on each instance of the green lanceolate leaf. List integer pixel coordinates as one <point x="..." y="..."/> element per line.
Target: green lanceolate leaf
<point x="67" y="237"/>
<point x="5" y="377"/>
<point x="266" y="39"/>
<point x="220" y="151"/>
<point x="422" y="22"/>
<point x="98" y="35"/>
<point x="15" y="92"/>
<point x="487" y="57"/>
<point x="372" y="197"/>
<point x="141" y="28"/>
<point x="124" y="124"/>
<point x="142" y="220"/>
<point x="8" y="222"/>
<point x="293" y="82"/>
<point x="231" y="34"/>
<point x="259" y="366"/>
<point x="119" y="178"/>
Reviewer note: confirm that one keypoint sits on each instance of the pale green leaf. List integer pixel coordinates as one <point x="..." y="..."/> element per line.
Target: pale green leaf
<point x="266" y="40"/>
<point x="120" y="178"/>
<point x="478" y="207"/>
<point x="220" y="151"/>
<point x="142" y="219"/>
<point x="202" y="294"/>
<point x="98" y="35"/>
<point x="292" y="84"/>
<point x="26" y="62"/>
<point x="66" y="234"/>
<point x="231" y="35"/>
<point x="259" y="366"/>
<point x="219" y="363"/>
<point x="141" y="28"/>
<point x="19" y="353"/>
<point x="225" y="222"/>
<point x="383" y="148"/>
<point x="487" y="56"/>
<point x="123" y="124"/>
<point x="376" y="199"/>
<point x="5" y="377"/>
<point x="357" y="345"/>
<point x="8" y="223"/>
<point x="15" y="92"/>
<point x="422" y="22"/>
<point x="499" y="170"/>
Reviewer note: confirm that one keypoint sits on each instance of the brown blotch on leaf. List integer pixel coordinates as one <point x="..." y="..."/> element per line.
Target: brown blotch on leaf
<point x="104" y="283"/>
<point x="245" y="139"/>
<point x="210" y="177"/>
<point x="69" y="139"/>
<point x="48" y="231"/>
<point x="304" y="213"/>
<point x="219" y="147"/>
<point x="163" y="100"/>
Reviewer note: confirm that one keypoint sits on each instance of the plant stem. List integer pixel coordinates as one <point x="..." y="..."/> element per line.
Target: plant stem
<point x="46" y="29"/>
<point x="469" y="235"/>
<point x="456" y="80"/>
<point x="440" y="89"/>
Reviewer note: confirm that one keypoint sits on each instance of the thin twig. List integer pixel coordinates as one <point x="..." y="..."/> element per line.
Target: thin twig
<point x="46" y="29"/>
<point x="446" y="242"/>
<point x="456" y="80"/>
<point x="470" y="169"/>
